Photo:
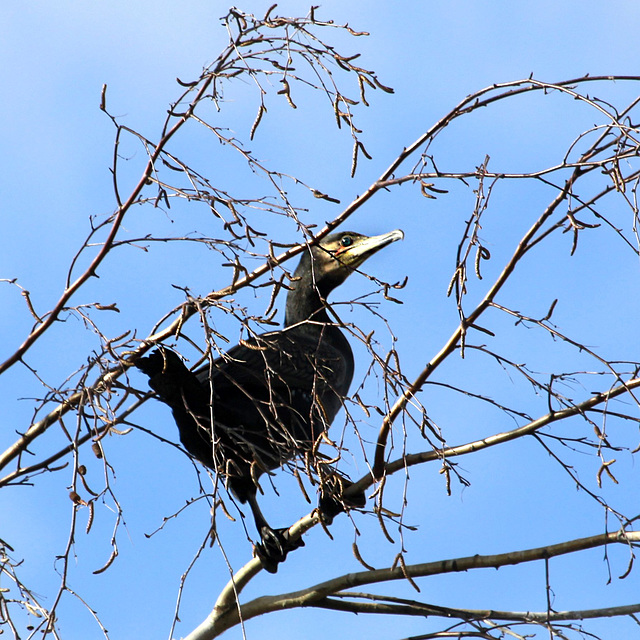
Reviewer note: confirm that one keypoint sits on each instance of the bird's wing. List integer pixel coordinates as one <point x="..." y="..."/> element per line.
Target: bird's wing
<point x="285" y="360"/>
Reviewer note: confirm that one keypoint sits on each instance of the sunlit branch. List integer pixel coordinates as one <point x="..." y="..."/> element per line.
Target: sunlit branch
<point x="453" y="342"/>
<point x="525" y="245"/>
<point x="411" y="459"/>
<point x="224" y="617"/>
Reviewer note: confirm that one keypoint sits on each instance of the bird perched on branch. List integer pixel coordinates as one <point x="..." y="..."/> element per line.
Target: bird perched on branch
<point x="271" y="397"/>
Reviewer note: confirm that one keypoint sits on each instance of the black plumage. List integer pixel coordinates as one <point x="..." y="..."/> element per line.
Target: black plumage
<point x="271" y="397"/>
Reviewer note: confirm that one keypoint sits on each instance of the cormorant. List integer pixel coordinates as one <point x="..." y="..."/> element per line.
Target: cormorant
<point x="272" y="396"/>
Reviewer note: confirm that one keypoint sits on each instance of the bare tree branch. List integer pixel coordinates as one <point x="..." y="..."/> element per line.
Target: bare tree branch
<point x="222" y="619"/>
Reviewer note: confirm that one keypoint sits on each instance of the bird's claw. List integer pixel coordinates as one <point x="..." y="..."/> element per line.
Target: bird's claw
<point x="274" y="546"/>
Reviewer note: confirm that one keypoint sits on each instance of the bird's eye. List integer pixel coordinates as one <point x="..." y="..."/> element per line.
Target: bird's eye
<point x="346" y="241"/>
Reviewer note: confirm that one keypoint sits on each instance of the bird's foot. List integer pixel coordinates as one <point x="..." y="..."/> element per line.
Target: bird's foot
<point x="274" y="546"/>
<point x="335" y="498"/>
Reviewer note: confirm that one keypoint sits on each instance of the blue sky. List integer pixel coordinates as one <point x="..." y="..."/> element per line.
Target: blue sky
<point x="54" y="172"/>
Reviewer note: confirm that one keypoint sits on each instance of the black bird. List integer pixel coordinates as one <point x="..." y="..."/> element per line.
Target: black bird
<point x="271" y="397"/>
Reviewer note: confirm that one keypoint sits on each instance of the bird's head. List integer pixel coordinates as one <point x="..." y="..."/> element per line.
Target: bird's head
<point x="335" y="257"/>
<point x="325" y="266"/>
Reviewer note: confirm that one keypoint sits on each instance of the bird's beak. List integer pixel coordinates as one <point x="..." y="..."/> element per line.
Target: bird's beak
<point x="365" y="247"/>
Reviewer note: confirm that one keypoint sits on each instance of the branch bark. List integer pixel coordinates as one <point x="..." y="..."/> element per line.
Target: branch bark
<point x="223" y="618"/>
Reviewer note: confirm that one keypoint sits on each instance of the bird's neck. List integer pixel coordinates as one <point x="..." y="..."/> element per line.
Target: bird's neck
<point x="305" y="300"/>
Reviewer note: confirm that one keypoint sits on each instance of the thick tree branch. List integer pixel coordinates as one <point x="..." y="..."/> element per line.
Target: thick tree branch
<point x="222" y="619"/>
